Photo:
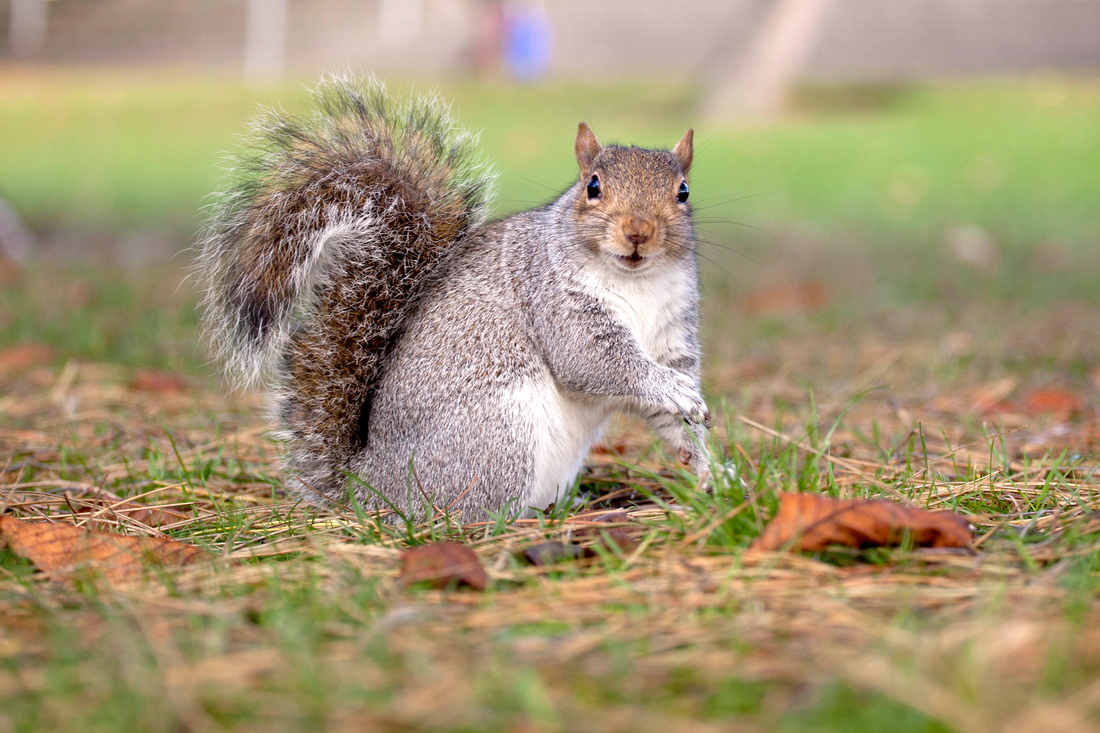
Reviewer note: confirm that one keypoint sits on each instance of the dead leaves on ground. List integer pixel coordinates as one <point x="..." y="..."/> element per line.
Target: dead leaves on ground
<point x="781" y="300"/>
<point x="812" y="522"/>
<point x="551" y="552"/>
<point x="591" y="536"/>
<point x="65" y="552"/>
<point x="146" y="380"/>
<point x="102" y="510"/>
<point x="443" y="564"/>
<point x="22" y="356"/>
<point x="449" y="564"/>
<point x="805" y="522"/>
<point x="1004" y="398"/>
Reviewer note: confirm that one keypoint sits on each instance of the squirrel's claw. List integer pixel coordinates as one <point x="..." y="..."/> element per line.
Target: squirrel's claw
<point x="697" y="461"/>
<point x="698" y="416"/>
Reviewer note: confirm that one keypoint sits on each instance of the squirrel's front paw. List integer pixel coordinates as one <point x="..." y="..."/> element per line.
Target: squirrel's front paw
<point x="685" y="399"/>
<point x="697" y="459"/>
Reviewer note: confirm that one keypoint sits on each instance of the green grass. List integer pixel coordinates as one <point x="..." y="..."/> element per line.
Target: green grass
<point x="860" y="190"/>
<point x="96" y="315"/>
<point x="1018" y="158"/>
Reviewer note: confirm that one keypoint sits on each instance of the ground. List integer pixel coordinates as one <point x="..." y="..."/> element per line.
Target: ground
<point x="949" y="363"/>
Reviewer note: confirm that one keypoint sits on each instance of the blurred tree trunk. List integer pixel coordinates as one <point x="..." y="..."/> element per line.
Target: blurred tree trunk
<point x="16" y="244"/>
<point x="265" y="40"/>
<point x="756" y="83"/>
<point x="400" y="20"/>
<point x="27" y="27"/>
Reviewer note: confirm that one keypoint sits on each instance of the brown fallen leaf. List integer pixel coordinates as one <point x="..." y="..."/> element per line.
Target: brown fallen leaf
<point x="990" y="397"/>
<point x="65" y="552"/>
<point x="441" y="564"/>
<point x="551" y="552"/>
<point x="150" y="381"/>
<point x="805" y="297"/>
<point x="1052" y="400"/>
<point x="106" y="515"/>
<point x="11" y="271"/>
<point x="811" y="522"/>
<point x="19" y="357"/>
<point x="155" y="516"/>
<point x="102" y="510"/>
<point x="621" y="539"/>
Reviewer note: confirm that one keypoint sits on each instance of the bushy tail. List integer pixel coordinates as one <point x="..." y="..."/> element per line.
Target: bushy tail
<point x="319" y="248"/>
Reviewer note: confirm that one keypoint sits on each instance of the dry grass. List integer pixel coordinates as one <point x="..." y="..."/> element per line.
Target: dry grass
<point x="302" y="624"/>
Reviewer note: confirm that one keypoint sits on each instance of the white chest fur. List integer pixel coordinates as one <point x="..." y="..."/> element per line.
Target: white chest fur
<point x="650" y="305"/>
<point x="561" y="426"/>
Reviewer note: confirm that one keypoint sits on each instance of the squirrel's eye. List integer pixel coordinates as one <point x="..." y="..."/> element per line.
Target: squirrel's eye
<point x="682" y="195"/>
<point x="594" y="187"/>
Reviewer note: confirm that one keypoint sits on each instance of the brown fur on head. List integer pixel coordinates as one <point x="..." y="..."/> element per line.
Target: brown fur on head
<point x="627" y="203"/>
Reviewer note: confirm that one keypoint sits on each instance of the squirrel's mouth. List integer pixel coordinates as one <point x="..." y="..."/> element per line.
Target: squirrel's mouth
<point x="632" y="261"/>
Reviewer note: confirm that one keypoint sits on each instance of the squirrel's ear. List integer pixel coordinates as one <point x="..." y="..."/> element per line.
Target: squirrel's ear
<point x="588" y="147"/>
<point x="683" y="150"/>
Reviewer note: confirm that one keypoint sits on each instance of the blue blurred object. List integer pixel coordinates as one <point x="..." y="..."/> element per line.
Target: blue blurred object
<point x="528" y="42"/>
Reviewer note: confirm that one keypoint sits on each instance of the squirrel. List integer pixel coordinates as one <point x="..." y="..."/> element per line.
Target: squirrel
<point x="423" y="358"/>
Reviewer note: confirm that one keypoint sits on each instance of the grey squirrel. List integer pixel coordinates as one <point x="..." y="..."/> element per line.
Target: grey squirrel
<point x="440" y="360"/>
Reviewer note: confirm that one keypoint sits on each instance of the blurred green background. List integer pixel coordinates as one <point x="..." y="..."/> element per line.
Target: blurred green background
<point x="893" y="166"/>
<point x="1019" y="158"/>
<point x="986" y="188"/>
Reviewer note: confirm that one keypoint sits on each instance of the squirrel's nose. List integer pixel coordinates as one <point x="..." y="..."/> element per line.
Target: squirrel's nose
<point x="638" y="231"/>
